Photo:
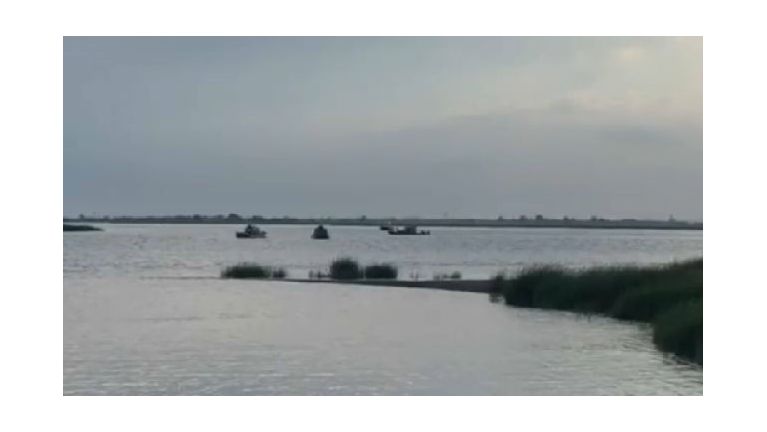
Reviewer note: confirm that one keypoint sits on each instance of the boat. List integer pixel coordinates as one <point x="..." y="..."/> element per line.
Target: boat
<point x="251" y="232"/>
<point x="251" y="235"/>
<point x="320" y="233"/>
<point x="407" y="230"/>
<point x="385" y="227"/>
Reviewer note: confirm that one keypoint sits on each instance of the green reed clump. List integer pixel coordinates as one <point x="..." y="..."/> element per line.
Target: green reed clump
<point x="646" y="301"/>
<point x="345" y="269"/>
<point x="279" y="273"/>
<point x="253" y="271"/>
<point x="680" y="330"/>
<point x="522" y="290"/>
<point x="381" y="271"/>
<point x="498" y="282"/>
<point x="624" y="292"/>
<point x="318" y="274"/>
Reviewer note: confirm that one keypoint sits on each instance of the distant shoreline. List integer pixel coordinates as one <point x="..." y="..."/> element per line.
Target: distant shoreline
<point x="479" y="223"/>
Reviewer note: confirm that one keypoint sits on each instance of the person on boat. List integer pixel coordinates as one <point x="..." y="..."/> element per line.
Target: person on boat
<point x="249" y="229"/>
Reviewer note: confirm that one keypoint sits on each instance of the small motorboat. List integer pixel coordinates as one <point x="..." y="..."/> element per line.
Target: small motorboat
<point x="320" y="233"/>
<point x="408" y="230"/>
<point x="251" y="232"/>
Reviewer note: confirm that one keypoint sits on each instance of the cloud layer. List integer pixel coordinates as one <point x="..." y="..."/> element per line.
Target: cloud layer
<point x="384" y="126"/>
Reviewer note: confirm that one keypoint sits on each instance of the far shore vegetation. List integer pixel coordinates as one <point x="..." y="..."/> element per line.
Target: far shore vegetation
<point x="74" y="227"/>
<point x="670" y="297"/>
<point x="522" y="221"/>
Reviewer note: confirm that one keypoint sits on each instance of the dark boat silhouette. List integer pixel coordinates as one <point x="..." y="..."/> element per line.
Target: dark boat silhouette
<point x="407" y="230"/>
<point x="320" y="233"/>
<point x="251" y="232"/>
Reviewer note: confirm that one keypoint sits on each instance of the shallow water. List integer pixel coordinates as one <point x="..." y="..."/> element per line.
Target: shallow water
<point x="144" y="313"/>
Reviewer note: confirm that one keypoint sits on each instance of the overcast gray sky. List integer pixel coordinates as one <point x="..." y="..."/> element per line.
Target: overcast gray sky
<point x="468" y="127"/>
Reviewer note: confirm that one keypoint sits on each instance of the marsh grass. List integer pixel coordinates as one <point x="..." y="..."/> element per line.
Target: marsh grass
<point x="318" y="274"/>
<point x="679" y="330"/>
<point x="648" y="294"/>
<point x="279" y="273"/>
<point x="253" y="271"/>
<point x="381" y="271"/>
<point x="345" y="269"/>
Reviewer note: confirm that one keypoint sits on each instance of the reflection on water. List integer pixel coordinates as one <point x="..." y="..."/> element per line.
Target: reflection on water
<point x="132" y="327"/>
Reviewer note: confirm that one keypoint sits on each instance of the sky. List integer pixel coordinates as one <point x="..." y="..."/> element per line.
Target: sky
<point x="430" y="127"/>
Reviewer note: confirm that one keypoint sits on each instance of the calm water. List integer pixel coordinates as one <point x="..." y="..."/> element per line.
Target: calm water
<point x="144" y="313"/>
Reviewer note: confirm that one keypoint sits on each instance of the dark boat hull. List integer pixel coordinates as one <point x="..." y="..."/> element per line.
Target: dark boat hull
<point x="251" y="236"/>
<point x="320" y="233"/>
